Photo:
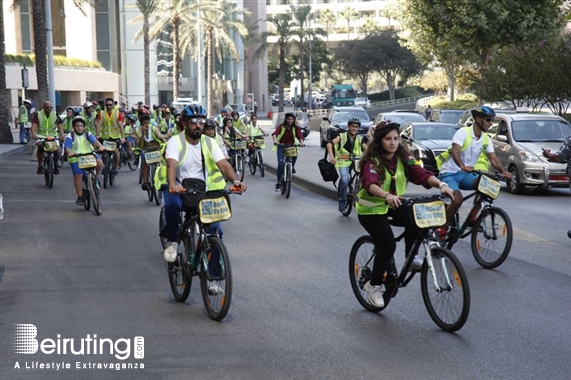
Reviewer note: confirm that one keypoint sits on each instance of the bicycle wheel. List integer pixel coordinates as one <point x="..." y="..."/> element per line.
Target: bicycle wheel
<point x="162" y="224"/>
<point x="61" y="160"/>
<point x="49" y="171"/>
<point x="445" y="290"/>
<point x="261" y="163"/>
<point x="216" y="280"/>
<point x="492" y="237"/>
<point x="86" y="194"/>
<point x="94" y="192"/>
<point x="157" y="195"/>
<point x="106" y="170"/>
<point x="150" y="193"/>
<point x="348" y="201"/>
<point x="239" y="167"/>
<point x="133" y="163"/>
<point x="252" y="164"/>
<point x="112" y="172"/>
<point x="287" y="183"/>
<point x="180" y="276"/>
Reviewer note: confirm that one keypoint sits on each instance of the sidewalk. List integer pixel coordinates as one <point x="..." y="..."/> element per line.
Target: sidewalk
<point x="7" y="150"/>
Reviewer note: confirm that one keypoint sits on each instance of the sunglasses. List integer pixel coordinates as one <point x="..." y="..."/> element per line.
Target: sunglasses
<point x="109" y="104"/>
<point x="199" y="121"/>
<point x="488" y="119"/>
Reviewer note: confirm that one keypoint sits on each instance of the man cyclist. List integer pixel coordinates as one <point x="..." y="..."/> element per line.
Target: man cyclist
<point x="69" y="115"/>
<point x="90" y="117"/>
<point x="47" y="123"/>
<point x="111" y="127"/>
<point x="349" y="147"/>
<point x="252" y="130"/>
<point x="147" y="137"/>
<point x="287" y="133"/>
<point x="471" y="149"/>
<point x="191" y="155"/>
<point x="166" y="124"/>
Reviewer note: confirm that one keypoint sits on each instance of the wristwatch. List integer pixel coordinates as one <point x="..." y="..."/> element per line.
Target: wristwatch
<point x="236" y="183"/>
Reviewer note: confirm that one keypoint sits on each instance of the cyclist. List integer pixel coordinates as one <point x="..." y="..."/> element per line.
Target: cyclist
<point x="166" y="124"/>
<point x="79" y="141"/>
<point x="220" y="118"/>
<point x="69" y="115"/>
<point x="386" y="168"/>
<point x="90" y="118"/>
<point x="111" y="127"/>
<point x="129" y="130"/>
<point x="147" y="137"/>
<point x="237" y="122"/>
<point x="229" y="131"/>
<point x="47" y="123"/>
<point x="286" y="133"/>
<point x="348" y="146"/>
<point x="471" y="149"/>
<point x="191" y="155"/>
<point x="210" y="131"/>
<point x="252" y="130"/>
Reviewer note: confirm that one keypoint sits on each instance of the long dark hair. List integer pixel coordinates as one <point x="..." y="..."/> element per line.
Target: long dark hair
<point x="376" y="153"/>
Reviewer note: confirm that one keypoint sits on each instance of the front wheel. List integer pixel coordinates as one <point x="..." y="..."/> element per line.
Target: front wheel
<point x="445" y="290"/>
<point x="180" y="275"/>
<point x="49" y="171"/>
<point x="239" y="166"/>
<point x="261" y="163"/>
<point x="95" y="197"/>
<point x="112" y="172"/>
<point x="252" y="164"/>
<point x="287" y="182"/>
<point x="86" y="194"/>
<point x="514" y="184"/>
<point x="361" y="262"/>
<point x="133" y="163"/>
<point x="216" y="280"/>
<point x="492" y="237"/>
<point x="106" y="170"/>
<point x="348" y="201"/>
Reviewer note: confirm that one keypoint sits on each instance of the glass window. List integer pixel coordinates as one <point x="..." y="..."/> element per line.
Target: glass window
<point x="102" y="22"/>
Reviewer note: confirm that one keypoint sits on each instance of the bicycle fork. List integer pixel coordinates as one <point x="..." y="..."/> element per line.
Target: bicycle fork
<point x="431" y="262"/>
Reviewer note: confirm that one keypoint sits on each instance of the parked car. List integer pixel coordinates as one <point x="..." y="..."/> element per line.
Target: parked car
<point x="362" y="101"/>
<point x="426" y="140"/>
<point x="466" y="120"/>
<point x="518" y="142"/>
<point x="336" y="120"/>
<point x="446" y="116"/>
<point x="399" y="117"/>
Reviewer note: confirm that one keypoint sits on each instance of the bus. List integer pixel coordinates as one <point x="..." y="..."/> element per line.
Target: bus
<point x="342" y="95"/>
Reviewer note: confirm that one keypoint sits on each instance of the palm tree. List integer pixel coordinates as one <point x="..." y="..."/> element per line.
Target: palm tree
<point x="5" y="132"/>
<point x="218" y="22"/>
<point x="348" y="13"/>
<point x="282" y="28"/>
<point x="40" y="48"/>
<point x="147" y="9"/>
<point x="250" y="38"/>
<point x="369" y="27"/>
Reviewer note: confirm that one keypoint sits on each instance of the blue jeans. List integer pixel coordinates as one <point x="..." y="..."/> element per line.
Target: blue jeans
<point x="281" y="162"/>
<point x="343" y="182"/>
<point x="173" y="209"/>
<point x="22" y="133"/>
<point x="460" y="180"/>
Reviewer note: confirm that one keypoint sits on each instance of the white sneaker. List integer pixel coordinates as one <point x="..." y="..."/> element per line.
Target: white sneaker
<point x="416" y="263"/>
<point x="375" y="294"/>
<point x="214" y="289"/>
<point x="170" y="252"/>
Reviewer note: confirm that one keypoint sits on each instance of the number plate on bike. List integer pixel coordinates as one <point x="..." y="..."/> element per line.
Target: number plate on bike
<point x="214" y="207"/>
<point x="86" y="162"/>
<point x="488" y="186"/>
<point x="258" y="143"/>
<point x="290" y="151"/>
<point x="50" y="146"/>
<point x="110" y="145"/>
<point x="431" y="214"/>
<point x="153" y="157"/>
<point x="240" y="145"/>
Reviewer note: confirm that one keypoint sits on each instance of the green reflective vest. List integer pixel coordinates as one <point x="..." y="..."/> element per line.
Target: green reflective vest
<point x="67" y="125"/>
<point x="47" y="124"/>
<point x="342" y="156"/>
<point x="110" y="125"/>
<point x="293" y="130"/>
<point x="368" y="204"/>
<point x="89" y="121"/>
<point x="80" y="145"/>
<point x="23" y="114"/>
<point x="481" y="164"/>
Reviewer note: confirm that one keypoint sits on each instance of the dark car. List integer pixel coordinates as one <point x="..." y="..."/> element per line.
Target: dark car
<point x="426" y="140"/>
<point x="446" y="116"/>
<point x="336" y="120"/>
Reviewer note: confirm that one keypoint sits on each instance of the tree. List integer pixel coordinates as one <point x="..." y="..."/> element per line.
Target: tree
<point x="282" y="28"/>
<point x="327" y="18"/>
<point x="369" y="27"/>
<point x="5" y="132"/>
<point x="348" y="13"/>
<point x="357" y="60"/>
<point x="147" y="8"/>
<point x="390" y="10"/>
<point x="40" y="49"/>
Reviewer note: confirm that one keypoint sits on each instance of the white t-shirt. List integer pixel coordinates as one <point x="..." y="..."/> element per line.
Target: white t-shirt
<point x="192" y="165"/>
<point x="470" y="155"/>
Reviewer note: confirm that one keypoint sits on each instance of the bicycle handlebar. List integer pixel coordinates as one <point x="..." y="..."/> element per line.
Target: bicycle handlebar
<point x="232" y="190"/>
<point x="435" y="197"/>
<point x="495" y="175"/>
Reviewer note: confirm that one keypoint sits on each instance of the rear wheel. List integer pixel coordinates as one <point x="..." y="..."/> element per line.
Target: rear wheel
<point x="287" y="183"/>
<point x="492" y="237"/>
<point x="261" y="163"/>
<point x="180" y="276"/>
<point x="216" y="280"/>
<point x="95" y="198"/>
<point x="445" y="290"/>
<point x="112" y="172"/>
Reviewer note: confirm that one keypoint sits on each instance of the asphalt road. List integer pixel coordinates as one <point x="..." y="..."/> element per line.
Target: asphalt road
<point x="293" y="314"/>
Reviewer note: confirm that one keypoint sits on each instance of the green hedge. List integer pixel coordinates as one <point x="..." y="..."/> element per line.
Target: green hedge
<point x="400" y="93"/>
<point x="59" y="60"/>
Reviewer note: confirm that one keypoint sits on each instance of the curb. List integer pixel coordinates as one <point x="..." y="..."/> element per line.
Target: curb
<point x="12" y="152"/>
<point x="309" y="185"/>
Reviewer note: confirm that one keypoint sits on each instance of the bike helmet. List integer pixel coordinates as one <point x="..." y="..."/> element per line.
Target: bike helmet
<point x="234" y="113"/>
<point x="27" y="101"/>
<point x="77" y="119"/>
<point x="193" y="110"/>
<point x="354" y="120"/>
<point x="386" y="126"/>
<point x="210" y="123"/>
<point x="143" y="111"/>
<point x="87" y="105"/>
<point x="131" y="117"/>
<point x="483" y="111"/>
<point x="69" y="108"/>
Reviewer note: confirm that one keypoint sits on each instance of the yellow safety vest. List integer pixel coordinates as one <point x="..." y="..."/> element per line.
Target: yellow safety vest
<point x="80" y="145"/>
<point x="67" y="125"/>
<point x="23" y="117"/>
<point x="342" y="156"/>
<point x="47" y="125"/>
<point x="481" y="164"/>
<point x="110" y="128"/>
<point x="90" y="121"/>
<point x="368" y="204"/>
<point x="293" y="130"/>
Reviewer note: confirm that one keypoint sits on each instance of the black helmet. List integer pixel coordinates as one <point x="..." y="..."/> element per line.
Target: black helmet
<point x="483" y="111"/>
<point x="354" y="120"/>
<point x="234" y="113"/>
<point x="77" y="119"/>
<point x="193" y="110"/>
<point x="210" y="123"/>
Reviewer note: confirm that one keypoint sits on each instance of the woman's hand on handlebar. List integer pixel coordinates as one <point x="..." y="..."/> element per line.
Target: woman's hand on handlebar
<point x="448" y="191"/>
<point x="394" y="201"/>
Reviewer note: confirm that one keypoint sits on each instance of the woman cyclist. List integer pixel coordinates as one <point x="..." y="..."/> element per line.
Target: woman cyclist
<point x="386" y="167"/>
<point x="286" y="133"/>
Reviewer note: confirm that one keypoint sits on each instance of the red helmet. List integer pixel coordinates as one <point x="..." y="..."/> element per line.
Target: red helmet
<point x="144" y="111"/>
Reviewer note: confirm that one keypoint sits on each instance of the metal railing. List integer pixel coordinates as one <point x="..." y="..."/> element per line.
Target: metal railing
<point x="399" y="101"/>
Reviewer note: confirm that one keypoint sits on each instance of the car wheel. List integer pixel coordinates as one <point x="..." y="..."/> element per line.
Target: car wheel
<point x="514" y="184"/>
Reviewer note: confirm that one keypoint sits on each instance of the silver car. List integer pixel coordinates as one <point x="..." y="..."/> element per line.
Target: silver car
<point x="518" y="142"/>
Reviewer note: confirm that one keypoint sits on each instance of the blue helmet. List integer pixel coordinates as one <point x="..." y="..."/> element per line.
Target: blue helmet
<point x="483" y="111"/>
<point x="193" y="110"/>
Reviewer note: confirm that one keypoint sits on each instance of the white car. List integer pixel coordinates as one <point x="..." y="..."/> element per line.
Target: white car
<point x="362" y="102"/>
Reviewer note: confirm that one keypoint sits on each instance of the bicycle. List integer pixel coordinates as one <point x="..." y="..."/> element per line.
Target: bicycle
<point x="109" y="171"/>
<point x="352" y="188"/>
<point x="134" y="163"/>
<point x="443" y="281"/>
<point x="152" y="157"/>
<point x="125" y="159"/>
<point x="290" y="151"/>
<point x="257" y="158"/>
<point x="237" y="157"/>
<point x="91" y="186"/>
<point x="49" y="144"/>
<point x="200" y="251"/>
<point x="490" y="226"/>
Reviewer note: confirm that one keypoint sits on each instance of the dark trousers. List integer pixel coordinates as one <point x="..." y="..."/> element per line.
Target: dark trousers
<point x="379" y="227"/>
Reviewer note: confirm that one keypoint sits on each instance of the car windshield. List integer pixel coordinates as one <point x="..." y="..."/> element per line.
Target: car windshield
<point x="344" y="116"/>
<point x="238" y="107"/>
<point x="450" y="116"/>
<point x="433" y="132"/>
<point x="540" y="130"/>
<point x="403" y="118"/>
